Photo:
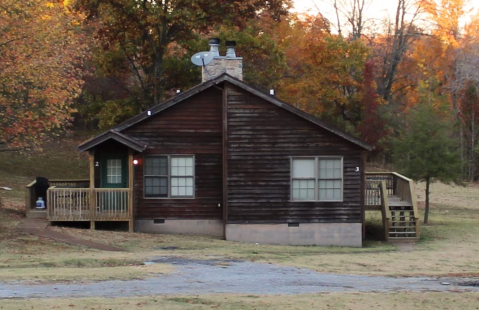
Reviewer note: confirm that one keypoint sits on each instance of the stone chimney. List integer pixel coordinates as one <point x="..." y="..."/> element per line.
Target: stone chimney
<point x="220" y="64"/>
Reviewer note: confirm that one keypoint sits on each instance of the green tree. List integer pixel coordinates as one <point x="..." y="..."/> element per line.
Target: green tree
<point x="426" y="151"/>
<point x="137" y="36"/>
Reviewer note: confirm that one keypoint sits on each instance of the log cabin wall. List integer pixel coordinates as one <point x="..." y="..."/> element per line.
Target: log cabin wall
<point x="191" y="127"/>
<point x="261" y="139"/>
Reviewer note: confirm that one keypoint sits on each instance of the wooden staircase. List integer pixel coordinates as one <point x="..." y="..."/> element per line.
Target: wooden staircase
<point x="395" y="196"/>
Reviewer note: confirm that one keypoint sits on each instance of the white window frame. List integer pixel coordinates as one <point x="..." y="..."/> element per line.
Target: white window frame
<point x="169" y="176"/>
<point x="316" y="178"/>
<point x="109" y="171"/>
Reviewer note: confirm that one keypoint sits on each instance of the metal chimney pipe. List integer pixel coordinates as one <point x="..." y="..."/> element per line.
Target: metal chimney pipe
<point x="214" y="45"/>
<point x="230" y="49"/>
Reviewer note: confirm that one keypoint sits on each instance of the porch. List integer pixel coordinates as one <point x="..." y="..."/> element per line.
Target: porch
<point x="80" y="200"/>
<point x="394" y="195"/>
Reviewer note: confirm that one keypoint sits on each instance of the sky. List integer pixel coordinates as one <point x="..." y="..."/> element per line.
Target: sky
<point x="377" y="9"/>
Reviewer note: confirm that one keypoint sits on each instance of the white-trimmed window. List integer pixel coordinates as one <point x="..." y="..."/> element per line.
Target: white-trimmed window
<point x="317" y="178"/>
<point x="169" y="176"/>
<point x="113" y="171"/>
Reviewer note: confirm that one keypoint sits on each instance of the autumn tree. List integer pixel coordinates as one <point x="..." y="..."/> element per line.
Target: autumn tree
<point x="40" y="50"/>
<point x="393" y="43"/>
<point x="325" y="71"/>
<point x="469" y="117"/>
<point x="137" y="35"/>
<point x="372" y="127"/>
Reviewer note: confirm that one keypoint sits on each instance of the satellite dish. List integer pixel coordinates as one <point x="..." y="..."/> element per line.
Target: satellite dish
<point x="202" y="58"/>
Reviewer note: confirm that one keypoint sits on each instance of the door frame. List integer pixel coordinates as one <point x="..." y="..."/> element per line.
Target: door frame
<point x="124" y="170"/>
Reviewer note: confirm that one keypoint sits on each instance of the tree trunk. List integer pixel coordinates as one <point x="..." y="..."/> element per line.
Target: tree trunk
<point x="426" y="211"/>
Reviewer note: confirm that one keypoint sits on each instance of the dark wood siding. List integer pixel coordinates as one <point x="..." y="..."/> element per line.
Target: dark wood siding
<point x="261" y="139"/>
<point x="192" y="127"/>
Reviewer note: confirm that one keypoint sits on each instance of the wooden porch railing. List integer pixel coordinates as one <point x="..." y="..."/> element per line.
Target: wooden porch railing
<point x="89" y="204"/>
<point x="30" y="194"/>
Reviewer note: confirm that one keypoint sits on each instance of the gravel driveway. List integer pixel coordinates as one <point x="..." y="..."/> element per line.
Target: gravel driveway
<point x="220" y="276"/>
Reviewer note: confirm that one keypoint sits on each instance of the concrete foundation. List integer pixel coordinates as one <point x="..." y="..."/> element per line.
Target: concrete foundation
<point x="184" y="227"/>
<point x="324" y="234"/>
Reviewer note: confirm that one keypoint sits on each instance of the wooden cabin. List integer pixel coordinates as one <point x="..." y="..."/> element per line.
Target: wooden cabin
<point x="226" y="160"/>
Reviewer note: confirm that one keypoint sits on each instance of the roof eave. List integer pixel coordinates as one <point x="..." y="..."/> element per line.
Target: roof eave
<point x="112" y="135"/>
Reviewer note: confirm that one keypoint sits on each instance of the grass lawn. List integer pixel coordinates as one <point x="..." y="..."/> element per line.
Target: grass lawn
<point x="448" y="247"/>
<point x="352" y="301"/>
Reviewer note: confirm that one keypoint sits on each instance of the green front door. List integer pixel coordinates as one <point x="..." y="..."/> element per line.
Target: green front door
<point x="114" y="174"/>
<point x="114" y="171"/>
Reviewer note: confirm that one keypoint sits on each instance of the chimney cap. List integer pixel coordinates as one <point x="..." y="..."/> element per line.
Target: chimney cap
<point x="214" y="41"/>
<point x="230" y="43"/>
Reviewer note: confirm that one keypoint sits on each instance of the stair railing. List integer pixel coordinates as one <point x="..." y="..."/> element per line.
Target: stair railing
<point x="404" y="188"/>
<point x="385" y="209"/>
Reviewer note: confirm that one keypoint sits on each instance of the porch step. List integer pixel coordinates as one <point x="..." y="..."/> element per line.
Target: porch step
<point x="401" y="239"/>
<point x="403" y="221"/>
<point x="36" y="214"/>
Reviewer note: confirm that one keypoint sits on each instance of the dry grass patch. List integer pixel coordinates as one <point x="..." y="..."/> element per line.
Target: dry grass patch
<point x="352" y="301"/>
<point x="65" y="274"/>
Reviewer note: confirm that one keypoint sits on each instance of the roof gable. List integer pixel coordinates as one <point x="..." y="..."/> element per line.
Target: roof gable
<point x="212" y="83"/>
<point x="227" y="78"/>
<point x="112" y="135"/>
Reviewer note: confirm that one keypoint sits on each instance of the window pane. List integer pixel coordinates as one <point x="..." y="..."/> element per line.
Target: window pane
<point x="330" y="194"/>
<point x="181" y="171"/>
<point x="303" y="168"/>
<point x="156" y="186"/>
<point x="174" y="170"/>
<point x="181" y="161"/>
<point x="183" y="186"/>
<point x="150" y="191"/>
<point x="181" y="191"/>
<point x="156" y="165"/>
<point x="330" y="168"/>
<point x="174" y="191"/>
<point x="182" y="166"/>
<point x="303" y="189"/>
<point x="113" y="171"/>
<point x="329" y="190"/>
<point x="163" y="166"/>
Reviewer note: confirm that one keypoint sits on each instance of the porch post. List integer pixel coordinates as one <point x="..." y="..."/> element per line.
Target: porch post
<point x="130" y="190"/>
<point x="92" y="188"/>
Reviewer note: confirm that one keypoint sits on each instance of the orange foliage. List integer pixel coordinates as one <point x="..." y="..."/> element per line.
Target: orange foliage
<point x="39" y="48"/>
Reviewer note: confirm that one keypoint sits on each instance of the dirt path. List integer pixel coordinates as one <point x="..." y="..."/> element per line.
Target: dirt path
<point x="219" y="276"/>
<point x="40" y="228"/>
